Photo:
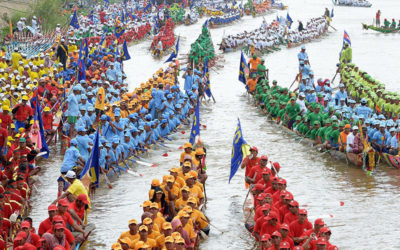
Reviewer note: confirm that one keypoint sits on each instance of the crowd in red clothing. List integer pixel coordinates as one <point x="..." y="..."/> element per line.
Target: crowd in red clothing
<point x="166" y="36"/>
<point x="279" y="223"/>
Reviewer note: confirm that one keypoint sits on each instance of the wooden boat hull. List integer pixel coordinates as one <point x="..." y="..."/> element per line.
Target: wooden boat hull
<point x="379" y="29"/>
<point x="392" y="160"/>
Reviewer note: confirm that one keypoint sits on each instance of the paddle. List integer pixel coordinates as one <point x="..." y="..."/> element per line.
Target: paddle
<point x="248" y="192"/>
<point x="295" y="79"/>
<point x="222" y="232"/>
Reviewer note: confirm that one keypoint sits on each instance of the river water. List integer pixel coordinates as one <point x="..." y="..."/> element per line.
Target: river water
<point x="361" y="209"/>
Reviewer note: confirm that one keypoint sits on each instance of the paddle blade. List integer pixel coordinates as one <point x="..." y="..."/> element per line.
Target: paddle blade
<point x="165" y="154"/>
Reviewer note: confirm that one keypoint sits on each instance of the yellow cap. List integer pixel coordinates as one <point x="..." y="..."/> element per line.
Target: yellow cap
<point x="146" y="204"/>
<point x="155" y="182"/>
<point x="12" y="125"/>
<point x="25" y="98"/>
<point x="166" y="225"/>
<point x="154" y="205"/>
<point x="193" y="173"/>
<point x="125" y="240"/>
<point x="187" y="209"/>
<point x="141" y="244"/>
<point x="6" y="108"/>
<point x="169" y="239"/>
<point x="180" y="240"/>
<point x="170" y="178"/>
<point x="46" y="109"/>
<point x="10" y="138"/>
<point x="185" y="188"/>
<point x="147" y="221"/>
<point x="199" y="151"/>
<point x="188" y="176"/>
<point x="132" y="221"/>
<point x="143" y="227"/>
<point x="188" y="145"/>
<point x="187" y="164"/>
<point x="192" y="200"/>
<point x="116" y="246"/>
<point x="174" y="170"/>
<point x="176" y="235"/>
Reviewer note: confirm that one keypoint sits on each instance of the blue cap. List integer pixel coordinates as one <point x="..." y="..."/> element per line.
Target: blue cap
<point x="90" y="108"/>
<point x="83" y="97"/>
<point x="74" y="142"/>
<point x="134" y="129"/>
<point x="341" y="85"/>
<point x="108" y="145"/>
<point x="91" y="136"/>
<point x="115" y="140"/>
<point x="363" y="100"/>
<point x="164" y="121"/>
<point x="82" y="108"/>
<point x="103" y="117"/>
<point x="303" y="47"/>
<point x="169" y="96"/>
<point x="81" y="129"/>
<point x="141" y="128"/>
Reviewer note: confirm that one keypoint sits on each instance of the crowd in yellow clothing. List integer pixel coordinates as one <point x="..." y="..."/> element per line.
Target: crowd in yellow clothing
<point x="171" y="217"/>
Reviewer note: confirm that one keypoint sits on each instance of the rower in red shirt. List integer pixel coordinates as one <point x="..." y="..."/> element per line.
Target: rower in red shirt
<point x="271" y="225"/>
<point x="285" y="235"/>
<point x="326" y="233"/>
<point x="3" y="138"/>
<point x="275" y="168"/>
<point x="284" y="209"/>
<point x="256" y="171"/>
<point x="300" y="226"/>
<point x="265" y="178"/>
<point x="77" y="208"/>
<point x="318" y="224"/>
<point x="47" y="223"/>
<point x="68" y="221"/>
<point x="47" y="119"/>
<point x="293" y="213"/>
<point x="281" y="186"/>
<point x="32" y="237"/>
<point x="22" y="113"/>
<point x="5" y="117"/>
<point x="274" y="187"/>
<point x="265" y="210"/>
<point x="250" y="160"/>
<point x="57" y="220"/>
<point x="257" y="189"/>
<point x="276" y="240"/>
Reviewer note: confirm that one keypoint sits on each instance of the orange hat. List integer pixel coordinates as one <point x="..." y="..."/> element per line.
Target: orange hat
<point x="146" y="204"/>
<point x="187" y="145"/>
<point x="155" y="182"/>
<point x="199" y="151"/>
<point x="166" y="225"/>
<point x="147" y="221"/>
<point x="347" y="126"/>
<point x="154" y="205"/>
<point x="132" y="221"/>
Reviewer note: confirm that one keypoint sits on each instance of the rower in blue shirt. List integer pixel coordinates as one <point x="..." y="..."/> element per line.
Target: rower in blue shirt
<point x="394" y="143"/>
<point x="340" y="94"/>
<point x="363" y="110"/>
<point x="379" y="138"/>
<point x="72" y="158"/>
<point x="302" y="55"/>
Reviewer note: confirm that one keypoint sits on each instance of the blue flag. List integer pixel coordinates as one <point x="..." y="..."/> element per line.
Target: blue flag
<point x="156" y="28"/>
<point x="125" y="54"/>
<point x="106" y="3"/>
<point x="81" y="60"/>
<point x="332" y="13"/>
<point x="289" y="21"/>
<point x="44" y="148"/>
<point x="174" y="52"/>
<point x="93" y="164"/>
<point x="122" y="16"/>
<point x="74" y="21"/>
<point x="147" y="9"/>
<point x="207" y="88"/>
<point x="237" y="153"/>
<point x="119" y="30"/>
<point x="346" y="39"/>
<point x="242" y="67"/>
<point x="196" y="123"/>
<point x="103" y="37"/>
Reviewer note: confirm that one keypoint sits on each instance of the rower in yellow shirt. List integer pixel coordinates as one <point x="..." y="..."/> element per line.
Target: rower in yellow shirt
<point x="157" y="217"/>
<point x="194" y="190"/>
<point x="15" y="58"/>
<point x="132" y="233"/>
<point x="143" y="239"/>
<point x="153" y="229"/>
<point x="171" y="191"/>
<point x="178" y="180"/>
<point x="183" y="199"/>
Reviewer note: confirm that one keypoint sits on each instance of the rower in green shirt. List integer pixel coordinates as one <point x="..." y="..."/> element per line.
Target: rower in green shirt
<point x="291" y="111"/>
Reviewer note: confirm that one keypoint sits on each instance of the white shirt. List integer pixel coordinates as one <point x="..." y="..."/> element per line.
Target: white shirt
<point x="350" y="140"/>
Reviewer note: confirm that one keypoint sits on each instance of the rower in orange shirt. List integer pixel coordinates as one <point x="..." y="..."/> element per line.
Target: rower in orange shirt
<point x="251" y="84"/>
<point x="253" y="62"/>
<point x="343" y="137"/>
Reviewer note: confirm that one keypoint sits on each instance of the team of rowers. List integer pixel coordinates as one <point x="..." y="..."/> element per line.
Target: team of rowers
<point x="274" y="34"/>
<point x="128" y="124"/>
<point x="327" y="118"/>
<point x="279" y="222"/>
<point x="172" y="215"/>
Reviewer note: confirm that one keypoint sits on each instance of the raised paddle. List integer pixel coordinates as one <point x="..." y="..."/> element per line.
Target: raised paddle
<point x="295" y="79"/>
<point x="248" y="192"/>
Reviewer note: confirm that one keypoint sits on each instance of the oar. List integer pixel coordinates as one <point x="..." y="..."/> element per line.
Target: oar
<point x="332" y="27"/>
<point x="248" y="192"/>
<point x="222" y="232"/>
<point x="294" y="81"/>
